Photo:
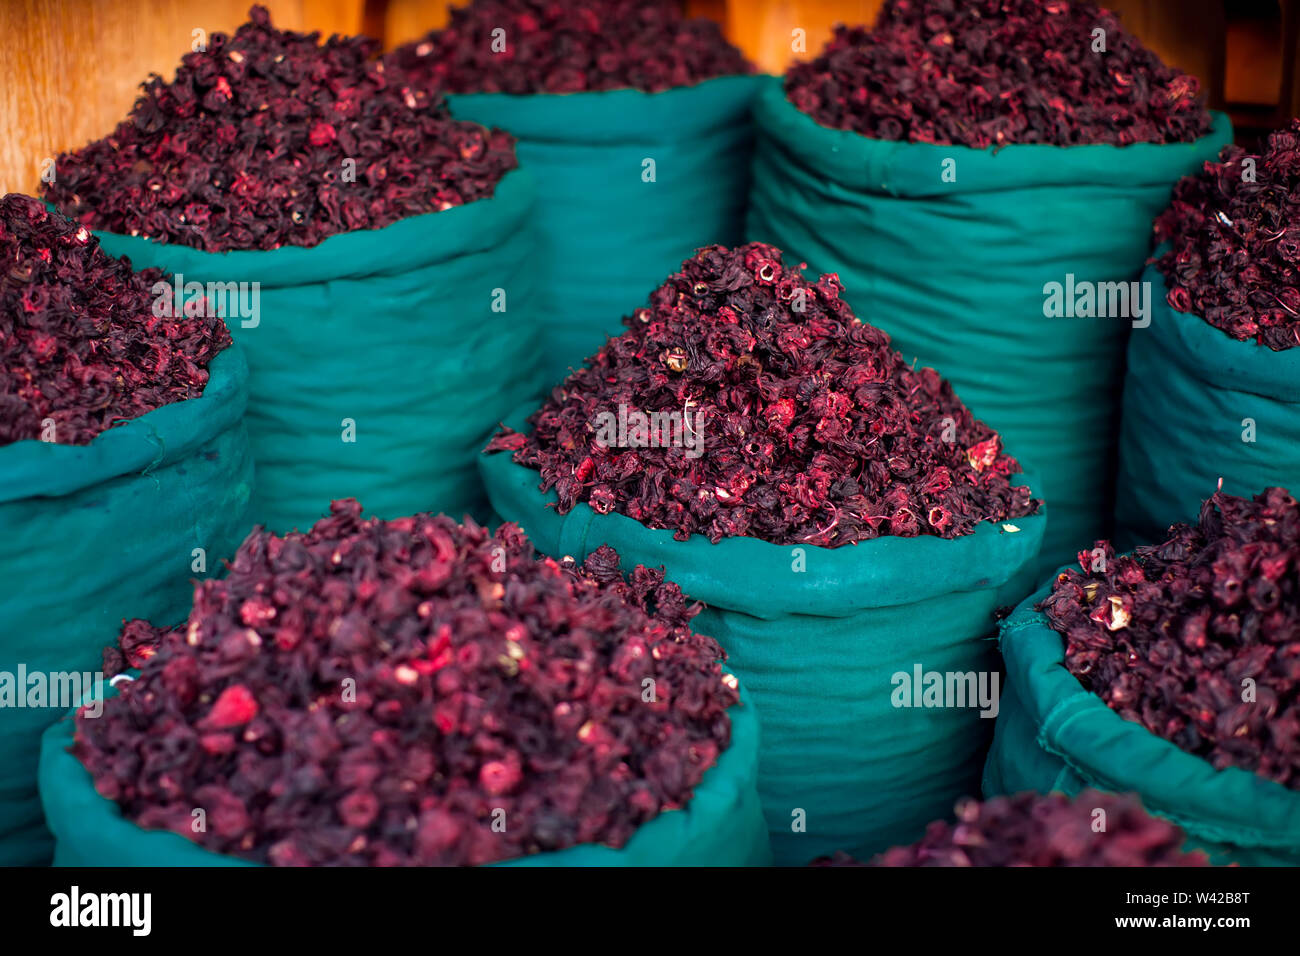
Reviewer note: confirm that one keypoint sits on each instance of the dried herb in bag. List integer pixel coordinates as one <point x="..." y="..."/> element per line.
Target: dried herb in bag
<point x="984" y="73"/>
<point x="795" y="421"/>
<point x="380" y="692"/>
<point x="1029" y="829"/>
<point x="271" y="138"/>
<point x="1197" y="638"/>
<point x="1234" y="257"/>
<point x="543" y="46"/>
<point x="81" y="348"/>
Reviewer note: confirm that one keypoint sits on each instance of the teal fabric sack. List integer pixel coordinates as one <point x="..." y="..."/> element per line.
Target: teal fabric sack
<point x="955" y="273"/>
<point x="607" y="236"/>
<point x="392" y="331"/>
<point x="721" y="825"/>
<point x="817" y="635"/>
<point x="1052" y="734"/>
<point x="98" y="533"/>
<point x="1192" y="395"/>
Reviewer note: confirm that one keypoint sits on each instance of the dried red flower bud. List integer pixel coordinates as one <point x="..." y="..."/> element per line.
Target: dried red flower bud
<point x="236" y="706"/>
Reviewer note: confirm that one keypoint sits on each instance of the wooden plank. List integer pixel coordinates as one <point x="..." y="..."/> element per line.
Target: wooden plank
<point x="1188" y="34"/>
<point x="406" y="20"/>
<point x="72" y="68"/>
<point x="765" y="29"/>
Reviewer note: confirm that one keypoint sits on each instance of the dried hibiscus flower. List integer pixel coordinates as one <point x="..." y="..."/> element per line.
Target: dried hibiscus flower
<point x="270" y="138"/>
<point x="540" y="46"/>
<point x="984" y="73"/>
<point x="1198" y="638"/>
<point x="1029" y="829"/>
<point x="1234" y="259"/>
<point x="80" y="347"/>
<point x="412" y="692"/>
<point x="748" y="401"/>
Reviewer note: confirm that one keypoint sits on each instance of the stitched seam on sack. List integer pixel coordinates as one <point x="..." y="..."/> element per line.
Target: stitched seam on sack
<point x="580" y="531"/>
<point x="147" y="471"/>
<point x="1013" y="625"/>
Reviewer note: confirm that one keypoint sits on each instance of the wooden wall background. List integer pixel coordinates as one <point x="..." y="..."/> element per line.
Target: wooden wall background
<point x="69" y="69"/>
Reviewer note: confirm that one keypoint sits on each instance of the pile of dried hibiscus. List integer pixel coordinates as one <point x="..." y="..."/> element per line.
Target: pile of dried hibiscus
<point x="411" y="692"/>
<point x="1029" y="829"/>
<point x="1198" y="638"/>
<point x="984" y="73"/>
<point x="270" y="138"/>
<point x="81" y="349"/>
<point x="748" y="401"/>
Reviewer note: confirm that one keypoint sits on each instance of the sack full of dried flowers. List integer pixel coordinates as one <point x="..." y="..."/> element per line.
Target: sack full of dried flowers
<point x="369" y="252"/>
<point x="978" y="176"/>
<point x="475" y="704"/>
<point x="636" y="122"/>
<point x="1169" y="673"/>
<point x="1213" y="385"/>
<point x="125" y="473"/>
<point x="1199" y="406"/>
<point x="849" y="524"/>
<point x="830" y="641"/>
<point x="377" y="363"/>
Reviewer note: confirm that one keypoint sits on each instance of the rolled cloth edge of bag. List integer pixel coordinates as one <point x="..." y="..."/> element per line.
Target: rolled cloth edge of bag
<point x="736" y="572"/>
<point x="1213" y="356"/>
<point x="911" y="169"/>
<point x="169" y="433"/>
<point x="1111" y="753"/>
<point x="737" y="764"/>
<point x="612" y="117"/>
<point x="410" y="243"/>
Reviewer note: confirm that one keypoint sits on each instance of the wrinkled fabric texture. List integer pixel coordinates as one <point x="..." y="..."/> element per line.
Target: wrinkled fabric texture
<point x="98" y="533"/>
<point x="1052" y="734"/>
<point x="1191" y="394"/>
<point x="819" y="647"/>
<point x="608" y="237"/>
<point x="955" y="273"/>
<point x="392" y="331"/>
<point x="722" y="825"/>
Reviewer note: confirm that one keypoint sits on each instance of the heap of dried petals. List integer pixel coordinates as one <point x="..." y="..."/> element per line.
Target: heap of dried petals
<point x="748" y="401"/>
<point x="984" y="73"/>
<point x="392" y="692"/>
<point x="270" y="138"/>
<point x="1029" y="829"/>
<point x="80" y="347"/>
<point x="1234" y="231"/>
<point x="542" y="46"/>
<point x="1198" y="638"/>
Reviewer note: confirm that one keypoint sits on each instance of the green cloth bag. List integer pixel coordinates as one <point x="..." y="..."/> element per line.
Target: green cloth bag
<point x="955" y="273"/>
<point x="393" y="330"/>
<point x="817" y="635"/>
<point x="608" y="237"/>
<point x="721" y="825"/>
<point x="1188" y="395"/>
<point x="98" y="533"/>
<point x="1052" y="734"/>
